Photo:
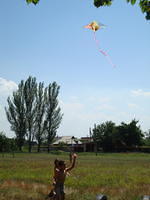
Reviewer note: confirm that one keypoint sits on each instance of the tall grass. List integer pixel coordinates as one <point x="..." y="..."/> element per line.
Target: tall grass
<point x="120" y="176"/>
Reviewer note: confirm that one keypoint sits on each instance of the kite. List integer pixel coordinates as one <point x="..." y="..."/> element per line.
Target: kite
<point x="95" y="26"/>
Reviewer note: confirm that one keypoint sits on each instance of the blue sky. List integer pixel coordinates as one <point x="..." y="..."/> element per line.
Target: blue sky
<point x="49" y="42"/>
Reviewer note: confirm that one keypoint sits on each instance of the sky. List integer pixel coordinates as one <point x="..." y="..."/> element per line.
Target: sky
<point x="48" y="41"/>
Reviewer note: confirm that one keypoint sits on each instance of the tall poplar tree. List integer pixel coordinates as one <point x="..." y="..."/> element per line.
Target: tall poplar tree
<point x="30" y="89"/>
<point x="33" y="112"/>
<point x="40" y="123"/>
<point x="53" y="112"/>
<point x="15" y="113"/>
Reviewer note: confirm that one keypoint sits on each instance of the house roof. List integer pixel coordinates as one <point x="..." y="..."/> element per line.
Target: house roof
<point x="67" y="140"/>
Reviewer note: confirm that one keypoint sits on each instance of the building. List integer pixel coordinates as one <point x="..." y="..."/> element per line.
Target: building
<point x="70" y="143"/>
<point x="68" y="140"/>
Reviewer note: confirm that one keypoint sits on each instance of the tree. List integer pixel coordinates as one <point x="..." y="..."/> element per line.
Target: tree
<point x="53" y="112"/>
<point x="144" y="5"/>
<point x="21" y="111"/>
<point x="98" y="135"/>
<point x="12" y="145"/>
<point x="30" y="90"/>
<point x="109" y="131"/>
<point x="40" y="123"/>
<point x="117" y="138"/>
<point x="2" y="142"/>
<point x="16" y="114"/>
<point x="103" y="135"/>
<point x="7" y="144"/>
<point x="130" y="134"/>
<point x="33" y="112"/>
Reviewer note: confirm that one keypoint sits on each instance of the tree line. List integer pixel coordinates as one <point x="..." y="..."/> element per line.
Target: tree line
<point x="33" y="112"/>
<point x="7" y="144"/>
<point x="143" y="4"/>
<point x="111" y="137"/>
<point x="106" y="136"/>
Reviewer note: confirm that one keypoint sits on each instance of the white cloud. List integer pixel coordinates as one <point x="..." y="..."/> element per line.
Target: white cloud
<point x="140" y="92"/>
<point x="132" y="105"/>
<point x="71" y="107"/>
<point x="106" y="107"/>
<point x="79" y="117"/>
<point x="74" y="98"/>
<point x="99" y="99"/>
<point x="7" y="87"/>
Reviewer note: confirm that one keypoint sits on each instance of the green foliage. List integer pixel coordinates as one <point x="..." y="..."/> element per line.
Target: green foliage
<point x="99" y="3"/>
<point x="30" y="90"/>
<point x="131" y="1"/>
<point x="53" y="112"/>
<point x="3" y="142"/>
<point x="7" y="144"/>
<point x="131" y="134"/>
<point x="40" y="123"/>
<point x="103" y="135"/>
<point x="15" y="113"/>
<point x="32" y="1"/>
<point x="33" y="112"/>
<point x="115" y="138"/>
<point x="144" y="5"/>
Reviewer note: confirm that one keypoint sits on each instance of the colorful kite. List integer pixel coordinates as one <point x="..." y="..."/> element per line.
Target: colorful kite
<point x="94" y="26"/>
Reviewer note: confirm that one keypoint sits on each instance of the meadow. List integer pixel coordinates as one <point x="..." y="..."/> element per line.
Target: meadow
<point x="120" y="176"/>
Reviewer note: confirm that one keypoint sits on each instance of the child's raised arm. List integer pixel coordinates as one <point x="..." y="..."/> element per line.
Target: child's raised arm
<point x="74" y="156"/>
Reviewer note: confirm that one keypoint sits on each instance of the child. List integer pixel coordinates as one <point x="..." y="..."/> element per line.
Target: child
<point x="60" y="175"/>
<point x="52" y="193"/>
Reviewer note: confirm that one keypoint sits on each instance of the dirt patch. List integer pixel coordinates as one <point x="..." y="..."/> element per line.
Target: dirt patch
<point x="34" y="187"/>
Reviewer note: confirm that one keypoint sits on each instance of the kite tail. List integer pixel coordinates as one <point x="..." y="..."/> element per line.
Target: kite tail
<point x="103" y="52"/>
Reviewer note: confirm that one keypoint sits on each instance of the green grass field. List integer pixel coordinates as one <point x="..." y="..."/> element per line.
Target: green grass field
<point x="124" y="176"/>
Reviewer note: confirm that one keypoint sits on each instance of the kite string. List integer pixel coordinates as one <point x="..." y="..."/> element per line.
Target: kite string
<point x="103" y="52"/>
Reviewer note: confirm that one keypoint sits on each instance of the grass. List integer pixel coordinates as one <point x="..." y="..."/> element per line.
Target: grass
<point x="122" y="176"/>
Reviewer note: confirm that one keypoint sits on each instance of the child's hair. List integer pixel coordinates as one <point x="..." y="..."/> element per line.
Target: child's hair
<point x="61" y="162"/>
<point x="56" y="162"/>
